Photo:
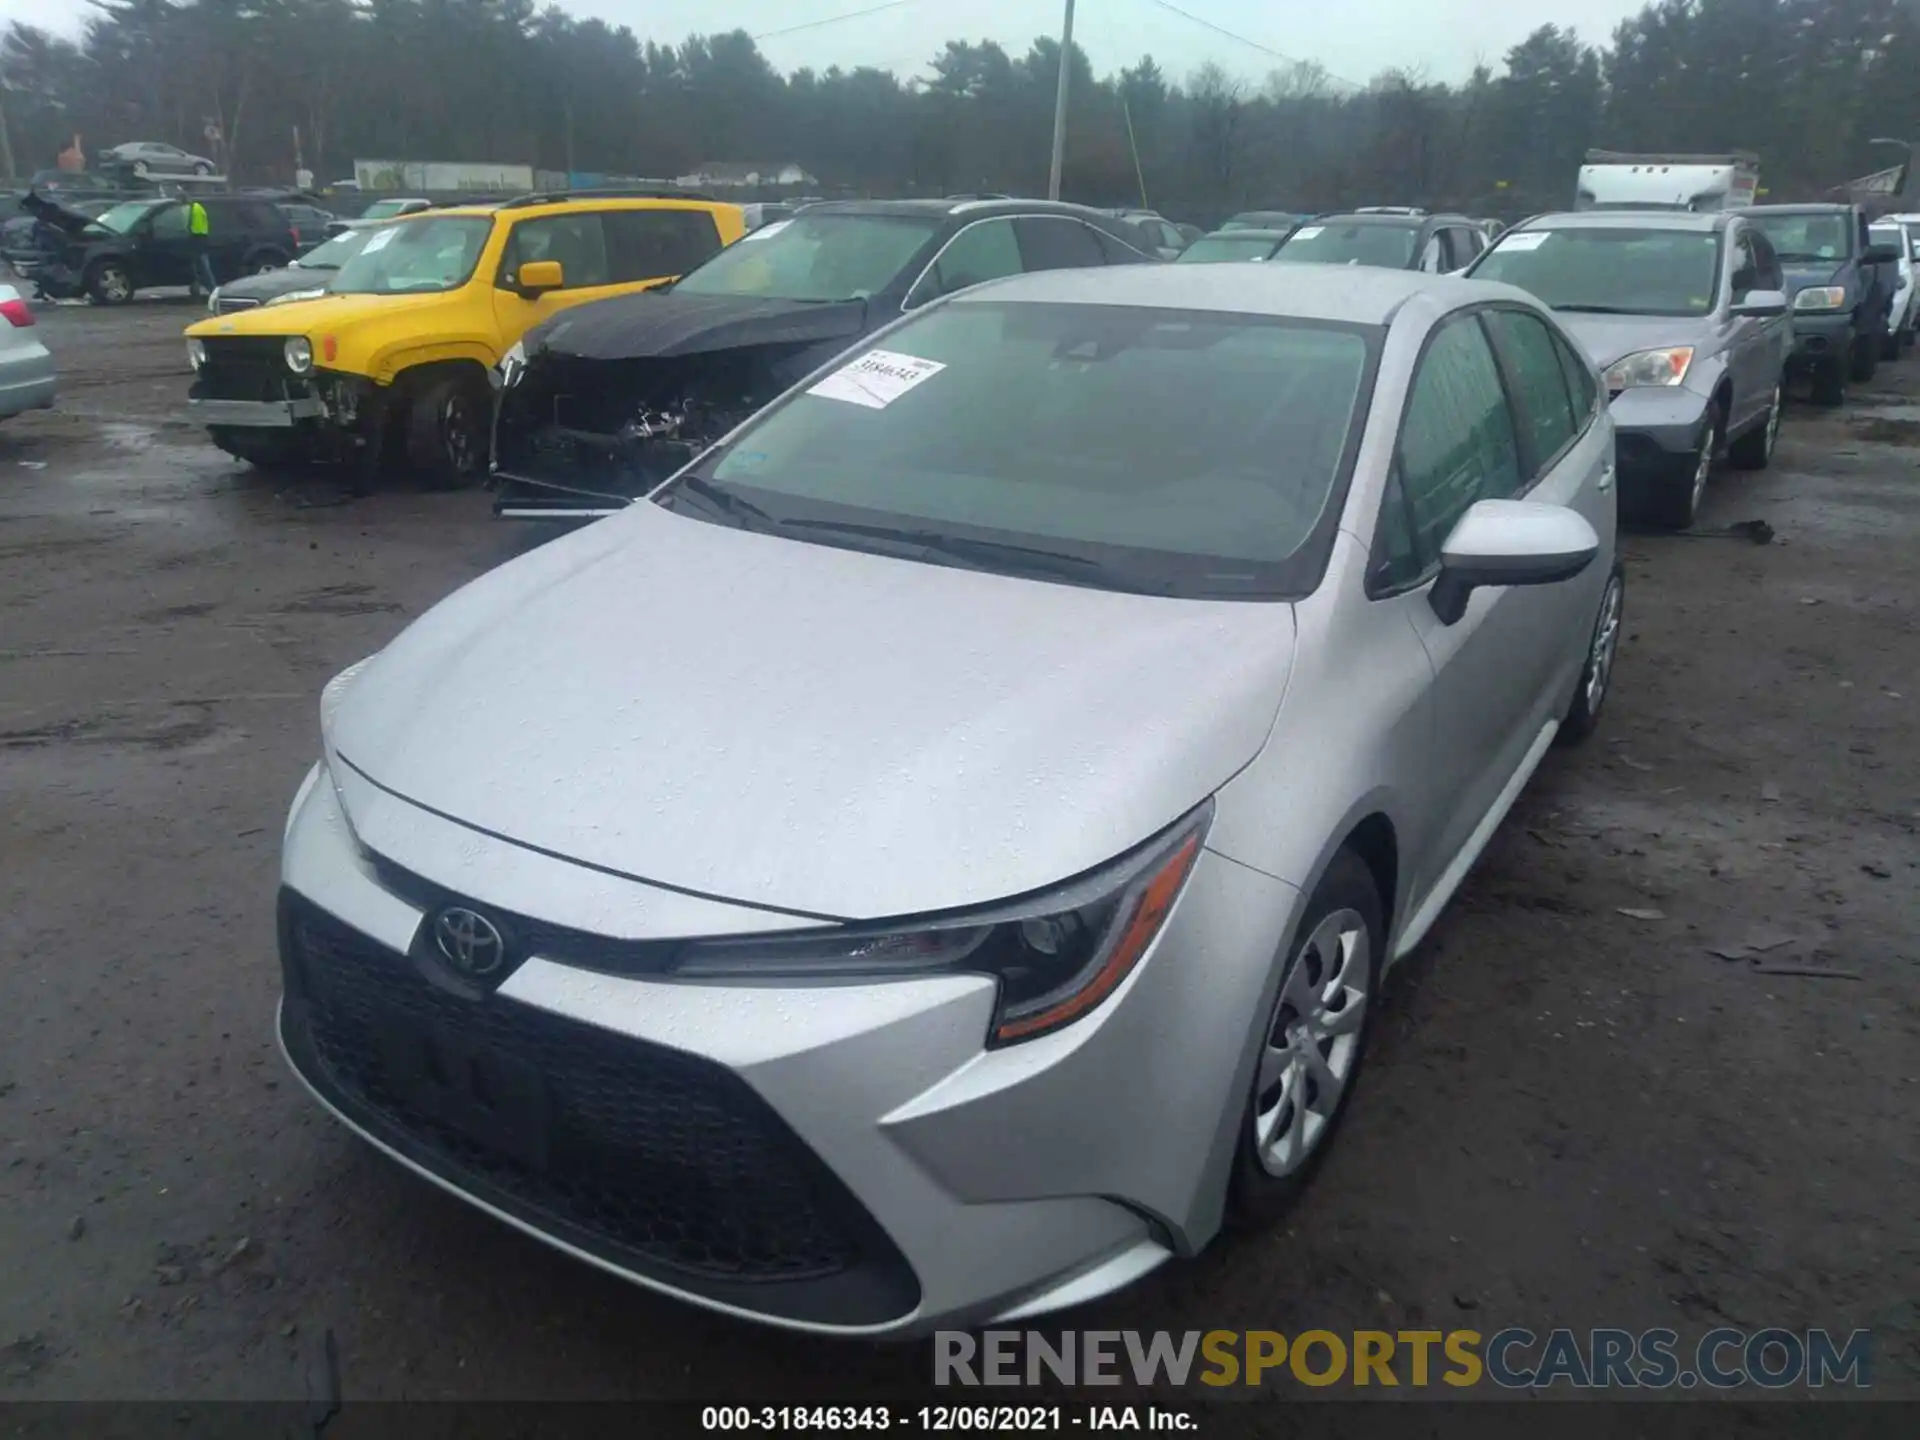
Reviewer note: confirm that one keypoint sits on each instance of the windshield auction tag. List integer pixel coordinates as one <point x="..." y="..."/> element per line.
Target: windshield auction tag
<point x="1306" y="232"/>
<point x="1525" y="240"/>
<point x="877" y="378"/>
<point x="765" y="232"/>
<point x="380" y="240"/>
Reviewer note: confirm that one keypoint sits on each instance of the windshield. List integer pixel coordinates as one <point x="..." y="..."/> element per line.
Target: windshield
<point x="123" y="217"/>
<point x="382" y="209"/>
<point x="815" y="257"/>
<point x="1079" y="475"/>
<point x="1807" y="237"/>
<point x="414" y="256"/>
<point x="332" y="254"/>
<point x="1628" y="271"/>
<point x="1353" y="243"/>
<point x="1210" y="249"/>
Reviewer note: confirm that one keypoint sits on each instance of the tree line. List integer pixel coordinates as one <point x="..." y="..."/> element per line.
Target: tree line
<point x="1806" y="83"/>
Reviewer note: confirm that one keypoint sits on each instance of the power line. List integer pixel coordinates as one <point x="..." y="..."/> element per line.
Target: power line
<point x="1206" y="24"/>
<point x="833" y="19"/>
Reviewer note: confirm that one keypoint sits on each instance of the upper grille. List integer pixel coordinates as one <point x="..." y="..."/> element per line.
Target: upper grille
<point x="662" y="1162"/>
<point x="245" y="367"/>
<point x="227" y="304"/>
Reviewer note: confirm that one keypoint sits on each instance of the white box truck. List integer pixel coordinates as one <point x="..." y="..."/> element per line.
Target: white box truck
<point x="1611" y="180"/>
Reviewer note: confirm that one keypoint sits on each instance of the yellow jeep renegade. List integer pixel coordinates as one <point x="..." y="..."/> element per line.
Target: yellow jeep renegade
<point x="396" y="357"/>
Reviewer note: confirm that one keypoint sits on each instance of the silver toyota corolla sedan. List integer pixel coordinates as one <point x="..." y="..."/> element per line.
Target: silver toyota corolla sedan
<point x="935" y="859"/>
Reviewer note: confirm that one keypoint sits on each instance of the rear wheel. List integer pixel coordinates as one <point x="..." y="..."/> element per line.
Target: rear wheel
<point x="1754" y="450"/>
<point x="447" y="431"/>
<point x="1313" y="1041"/>
<point x="108" y="282"/>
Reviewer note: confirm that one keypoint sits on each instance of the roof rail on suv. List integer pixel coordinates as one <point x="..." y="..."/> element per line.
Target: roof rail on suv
<point x="618" y="192"/>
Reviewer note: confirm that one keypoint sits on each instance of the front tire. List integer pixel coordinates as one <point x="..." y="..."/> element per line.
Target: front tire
<point x="1677" y="502"/>
<point x="109" y="283"/>
<point x="447" y="427"/>
<point x="1830" y="382"/>
<point x="1596" y="675"/>
<point x="1754" y="450"/>
<point x="1313" y="1042"/>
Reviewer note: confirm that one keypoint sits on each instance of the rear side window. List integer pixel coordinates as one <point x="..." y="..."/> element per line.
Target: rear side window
<point x="1117" y="251"/>
<point x="1457" y="442"/>
<point x="647" y="244"/>
<point x="985" y="250"/>
<point x="1546" y="417"/>
<point x="1056" y="244"/>
<point x="172" y="220"/>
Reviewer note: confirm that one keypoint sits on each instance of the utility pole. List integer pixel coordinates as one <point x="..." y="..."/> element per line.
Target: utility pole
<point x="1060" y="105"/>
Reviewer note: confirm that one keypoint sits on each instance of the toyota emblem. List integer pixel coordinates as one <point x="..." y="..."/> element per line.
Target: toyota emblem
<point x="471" y="943"/>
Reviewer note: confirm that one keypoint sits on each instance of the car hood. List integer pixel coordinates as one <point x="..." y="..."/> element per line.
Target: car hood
<point x="1820" y="272"/>
<point x="56" y="214"/>
<point x="337" y="313"/>
<point x="665" y="323"/>
<point x="809" y="728"/>
<point x="1607" y="338"/>
<point x="269" y="283"/>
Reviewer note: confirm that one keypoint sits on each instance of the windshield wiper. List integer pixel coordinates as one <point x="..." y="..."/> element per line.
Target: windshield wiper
<point x="726" y="502"/>
<point x="977" y="553"/>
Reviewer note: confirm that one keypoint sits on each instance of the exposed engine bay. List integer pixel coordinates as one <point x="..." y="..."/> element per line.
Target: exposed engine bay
<point x="578" y="436"/>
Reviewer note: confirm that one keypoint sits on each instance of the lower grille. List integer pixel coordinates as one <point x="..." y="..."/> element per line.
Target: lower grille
<point x="659" y="1162"/>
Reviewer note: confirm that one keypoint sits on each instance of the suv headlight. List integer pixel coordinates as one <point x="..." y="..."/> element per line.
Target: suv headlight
<point x="1056" y="956"/>
<point x="1821" y="297"/>
<point x="513" y="365"/>
<point x="1650" y="368"/>
<point x="299" y="353"/>
<point x="292" y="296"/>
<point x="196" y="352"/>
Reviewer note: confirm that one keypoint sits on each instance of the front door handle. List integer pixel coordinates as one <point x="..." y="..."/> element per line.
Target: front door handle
<point x="1606" y="478"/>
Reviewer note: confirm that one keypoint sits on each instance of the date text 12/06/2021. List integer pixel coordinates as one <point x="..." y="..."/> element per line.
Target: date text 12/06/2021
<point x="942" y="1419"/>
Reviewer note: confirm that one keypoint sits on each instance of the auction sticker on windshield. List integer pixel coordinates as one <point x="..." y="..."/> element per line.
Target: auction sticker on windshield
<point x="1525" y="240"/>
<point x="380" y="241"/>
<point x="766" y="232"/>
<point x="1307" y="232"/>
<point x="877" y="378"/>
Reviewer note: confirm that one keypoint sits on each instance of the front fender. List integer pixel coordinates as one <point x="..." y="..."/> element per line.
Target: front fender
<point x="388" y="362"/>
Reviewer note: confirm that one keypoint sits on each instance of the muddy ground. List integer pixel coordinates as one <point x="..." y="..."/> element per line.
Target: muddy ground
<point x="1574" y="1115"/>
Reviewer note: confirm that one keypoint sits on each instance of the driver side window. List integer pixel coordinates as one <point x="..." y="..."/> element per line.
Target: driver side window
<point x="985" y="251"/>
<point x="170" y="223"/>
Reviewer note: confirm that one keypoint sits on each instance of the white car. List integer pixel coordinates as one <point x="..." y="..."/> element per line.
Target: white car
<point x="1903" y="320"/>
<point x="26" y="369"/>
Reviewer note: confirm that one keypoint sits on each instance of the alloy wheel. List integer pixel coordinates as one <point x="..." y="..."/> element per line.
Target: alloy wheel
<point x="1313" y="1043"/>
<point x="116" y="284"/>
<point x="1702" y="470"/>
<point x="1773" y="419"/>
<point x="1606" y="643"/>
<point x="456" y="430"/>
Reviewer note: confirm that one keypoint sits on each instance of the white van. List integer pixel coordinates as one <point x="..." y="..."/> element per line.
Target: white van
<point x="1614" y="181"/>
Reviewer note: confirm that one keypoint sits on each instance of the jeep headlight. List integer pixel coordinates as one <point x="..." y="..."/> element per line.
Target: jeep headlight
<point x="196" y="352"/>
<point x="1650" y="368"/>
<point x="1821" y="297"/>
<point x="299" y="353"/>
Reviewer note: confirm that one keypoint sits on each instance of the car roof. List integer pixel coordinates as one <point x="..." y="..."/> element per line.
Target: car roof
<point x="1628" y="220"/>
<point x="1361" y="294"/>
<point x="937" y="208"/>
<point x="1812" y="207"/>
<point x="1399" y="220"/>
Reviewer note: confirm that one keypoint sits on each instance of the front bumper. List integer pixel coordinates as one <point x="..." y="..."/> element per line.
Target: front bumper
<point x="1654" y="424"/>
<point x="1820" y="338"/>
<point x="256" y="414"/>
<point x="923" y="1179"/>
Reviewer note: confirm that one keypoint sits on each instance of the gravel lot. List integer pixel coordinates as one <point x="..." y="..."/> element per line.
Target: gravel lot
<point x="1574" y="1116"/>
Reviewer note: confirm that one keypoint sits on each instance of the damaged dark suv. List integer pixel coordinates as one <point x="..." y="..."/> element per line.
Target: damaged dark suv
<point x="601" y="404"/>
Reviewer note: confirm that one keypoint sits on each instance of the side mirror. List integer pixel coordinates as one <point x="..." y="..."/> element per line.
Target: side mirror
<point x="1510" y="542"/>
<point x="1761" y="304"/>
<point x="539" y="276"/>
<point x="1882" y="255"/>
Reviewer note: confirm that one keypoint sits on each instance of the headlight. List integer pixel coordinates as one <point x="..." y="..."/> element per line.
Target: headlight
<point x="299" y="353"/>
<point x="335" y="692"/>
<point x="1057" y="956"/>
<point x="196" y="353"/>
<point x="1821" y="297"/>
<point x="513" y="365"/>
<point x="1650" y="367"/>
<point x="292" y="295"/>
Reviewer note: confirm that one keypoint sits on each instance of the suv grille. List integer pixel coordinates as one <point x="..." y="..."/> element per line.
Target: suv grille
<point x="246" y="367"/>
<point x="658" y="1161"/>
<point x="226" y="305"/>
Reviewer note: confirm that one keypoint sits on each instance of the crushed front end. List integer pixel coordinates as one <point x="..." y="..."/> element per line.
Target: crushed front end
<point x="258" y="407"/>
<point x="577" y="437"/>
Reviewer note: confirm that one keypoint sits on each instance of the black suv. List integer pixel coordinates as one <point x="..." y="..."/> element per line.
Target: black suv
<point x="139" y="244"/>
<point x="1392" y="238"/>
<point x="1842" y="287"/>
<point x="602" y="402"/>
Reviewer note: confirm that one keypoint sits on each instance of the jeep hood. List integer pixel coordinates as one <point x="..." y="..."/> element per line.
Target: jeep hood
<point x="808" y="728"/>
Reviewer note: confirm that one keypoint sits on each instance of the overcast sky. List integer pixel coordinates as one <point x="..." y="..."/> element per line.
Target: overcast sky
<point x="1354" y="40"/>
